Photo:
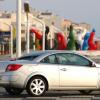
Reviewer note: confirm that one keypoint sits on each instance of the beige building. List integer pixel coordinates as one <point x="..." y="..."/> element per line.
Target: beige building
<point x="83" y="27"/>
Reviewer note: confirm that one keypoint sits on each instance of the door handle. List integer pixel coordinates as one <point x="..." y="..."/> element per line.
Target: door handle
<point x="63" y="69"/>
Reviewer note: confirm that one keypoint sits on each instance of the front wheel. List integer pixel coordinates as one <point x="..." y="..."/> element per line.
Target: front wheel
<point x="13" y="91"/>
<point x="36" y="86"/>
<point x="85" y="91"/>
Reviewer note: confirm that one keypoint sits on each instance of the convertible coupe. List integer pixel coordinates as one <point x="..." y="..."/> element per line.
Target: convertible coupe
<point x="39" y="72"/>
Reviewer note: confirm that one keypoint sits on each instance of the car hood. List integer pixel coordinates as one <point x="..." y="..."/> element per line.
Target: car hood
<point x="4" y="64"/>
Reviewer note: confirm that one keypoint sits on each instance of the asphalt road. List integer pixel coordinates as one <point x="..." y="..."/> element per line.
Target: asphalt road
<point x="52" y="95"/>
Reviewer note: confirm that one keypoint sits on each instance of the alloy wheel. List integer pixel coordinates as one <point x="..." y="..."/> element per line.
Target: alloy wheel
<point x="36" y="86"/>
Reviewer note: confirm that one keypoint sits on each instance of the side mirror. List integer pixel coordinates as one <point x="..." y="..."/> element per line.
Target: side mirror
<point x="93" y="64"/>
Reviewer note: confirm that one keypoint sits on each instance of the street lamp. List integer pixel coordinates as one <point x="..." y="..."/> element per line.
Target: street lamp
<point x="11" y="39"/>
<point x="43" y="27"/>
<point x="27" y="10"/>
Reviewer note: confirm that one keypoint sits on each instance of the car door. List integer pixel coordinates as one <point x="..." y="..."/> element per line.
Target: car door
<point x="49" y="66"/>
<point x="76" y="71"/>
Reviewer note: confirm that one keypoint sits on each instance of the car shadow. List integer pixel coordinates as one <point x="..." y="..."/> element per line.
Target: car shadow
<point x="50" y="94"/>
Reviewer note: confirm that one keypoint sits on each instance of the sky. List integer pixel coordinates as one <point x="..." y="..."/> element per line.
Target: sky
<point x="76" y="10"/>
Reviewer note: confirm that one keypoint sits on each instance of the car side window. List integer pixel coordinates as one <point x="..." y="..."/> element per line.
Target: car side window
<point x="27" y="58"/>
<point x="79" y="60"/>
<point x="63" y="59"/>
<point x="49" y="59"/>
<point x="72" y="59"/>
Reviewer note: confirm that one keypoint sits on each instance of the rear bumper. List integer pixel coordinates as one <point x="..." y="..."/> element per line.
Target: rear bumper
<point x="11" y="80"/>
<point x="7" y="79"/>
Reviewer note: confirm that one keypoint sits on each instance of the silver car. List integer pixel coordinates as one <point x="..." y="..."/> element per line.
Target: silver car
<point x="39" y="72"/>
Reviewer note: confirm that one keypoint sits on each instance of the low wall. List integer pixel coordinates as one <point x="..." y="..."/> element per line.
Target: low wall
<point x="90" y="53"/>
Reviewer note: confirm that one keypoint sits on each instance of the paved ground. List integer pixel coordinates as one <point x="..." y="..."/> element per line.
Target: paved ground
<point x="52" y="95"/>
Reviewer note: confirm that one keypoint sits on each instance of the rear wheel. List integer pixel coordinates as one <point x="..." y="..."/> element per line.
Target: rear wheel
<point x="85" y="91"/>
<point x="13" y="91"/>
<point x="36" y="86"/>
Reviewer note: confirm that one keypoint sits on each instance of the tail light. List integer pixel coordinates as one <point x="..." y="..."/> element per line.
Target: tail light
<point x="13" y="67"/>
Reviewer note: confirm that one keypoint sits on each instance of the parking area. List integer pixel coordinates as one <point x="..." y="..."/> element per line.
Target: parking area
<point x="52" y="95"/>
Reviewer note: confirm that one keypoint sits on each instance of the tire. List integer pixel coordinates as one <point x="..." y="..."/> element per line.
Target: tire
<point x="13" y="91"/>
<point x="85" y="91"/>
<point x="36" y="86"/>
